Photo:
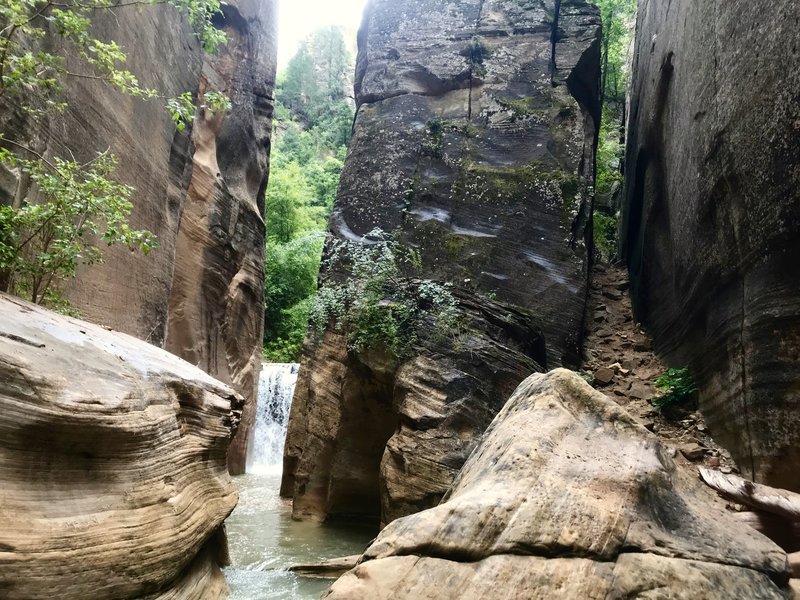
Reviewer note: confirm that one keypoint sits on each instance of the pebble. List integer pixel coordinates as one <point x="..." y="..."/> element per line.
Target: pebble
<point x="693" y="452"/>
<point x="603" y="376"/>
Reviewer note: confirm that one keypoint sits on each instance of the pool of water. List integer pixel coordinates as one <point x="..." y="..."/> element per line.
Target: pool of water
<point x="264" y="541"/>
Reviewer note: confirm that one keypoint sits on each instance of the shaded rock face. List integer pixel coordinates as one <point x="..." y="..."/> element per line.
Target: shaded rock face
<point x="112" y="462"/>
<point x="567" y="496"/>
<point x="200" y="191"/>
<point x="712" y="215"/>
<point x="368" y="436"/>
<point x="473" y="143"/>
<point x="216" y="316"/>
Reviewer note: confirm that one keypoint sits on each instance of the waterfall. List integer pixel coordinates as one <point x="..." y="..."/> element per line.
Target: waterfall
<point x="275" y="389"/>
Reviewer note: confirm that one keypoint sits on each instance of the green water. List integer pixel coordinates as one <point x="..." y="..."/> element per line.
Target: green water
<point x="264" y="541"/>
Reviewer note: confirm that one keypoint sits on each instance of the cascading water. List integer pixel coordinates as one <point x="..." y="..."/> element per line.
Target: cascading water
<point x="263" y="538"/>
<point x="275" y="388"/>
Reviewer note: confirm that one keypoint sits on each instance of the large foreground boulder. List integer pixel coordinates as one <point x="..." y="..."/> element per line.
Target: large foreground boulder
<point x="568" y="497"/>
<point x="113" y="478"/>
<point x="711" y="228"/>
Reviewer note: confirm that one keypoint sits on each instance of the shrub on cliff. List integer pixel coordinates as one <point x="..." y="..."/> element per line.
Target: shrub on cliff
<point x="677" y="388"/>
<point x="380" y="303"/>
<point x="62" y="210"/>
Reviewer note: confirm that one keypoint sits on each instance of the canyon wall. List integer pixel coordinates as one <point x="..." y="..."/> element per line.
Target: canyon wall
<point x="200" y="190"/>
<point x="711" y="222"/>
<point x="112" y="462"/>
<point x="474" y="144"/>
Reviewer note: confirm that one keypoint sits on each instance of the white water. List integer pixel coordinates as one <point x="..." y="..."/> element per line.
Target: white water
<point x="263" y="538"/>
<point x="275" y="389"/>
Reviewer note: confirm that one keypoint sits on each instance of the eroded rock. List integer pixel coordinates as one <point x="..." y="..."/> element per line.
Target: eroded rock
<point x="201" y="190"/>
<point x="112" y="462"/>
<point x="567" y="496"/>
<point x="473" y="143"/>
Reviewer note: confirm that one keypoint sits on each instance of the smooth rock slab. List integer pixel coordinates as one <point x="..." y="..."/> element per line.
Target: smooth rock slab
<point x="567" y="496"/>
<point x="113" y="470"/>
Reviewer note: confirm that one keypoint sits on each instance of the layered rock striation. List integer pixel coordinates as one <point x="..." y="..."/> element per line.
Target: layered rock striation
<point x="112" y="462"/>
<point x="473" y="144"/>
<point x="712" y="215"/>
<point x="199" y="190"/>
<point x="568" y="496"/>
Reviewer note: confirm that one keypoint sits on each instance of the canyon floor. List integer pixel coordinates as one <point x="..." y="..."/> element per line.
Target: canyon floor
<point x="620" y="362"/>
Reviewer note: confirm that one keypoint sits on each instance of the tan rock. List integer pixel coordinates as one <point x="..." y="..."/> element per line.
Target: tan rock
<point x="112" y="461"/>
<point x="794" y="564"/>
<point x="693" y="451"/>
<point x="603" y="376"/>
<point x="567" y="496"/>
<point x="326" y="569"/>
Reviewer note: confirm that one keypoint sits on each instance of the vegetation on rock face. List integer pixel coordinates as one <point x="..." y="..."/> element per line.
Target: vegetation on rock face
<point x="380" y="304"/>
<point x="62" y="209"/>
<point x="618" y="23"/>
<point x="313" y="122"/>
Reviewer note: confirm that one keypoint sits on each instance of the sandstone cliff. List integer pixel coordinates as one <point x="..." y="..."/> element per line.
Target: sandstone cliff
<point x="567" y="496"/>
<point x="112" y="463"/>
<point x="473" y="143"/>
<point x="711" y="228"/>
<point x="200" y="191"/>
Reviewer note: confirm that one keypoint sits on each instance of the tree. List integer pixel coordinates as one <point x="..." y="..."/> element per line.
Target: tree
<point x="617" y="19"/>
<point x="61" y="208"/>
<point x="313" y="121"/>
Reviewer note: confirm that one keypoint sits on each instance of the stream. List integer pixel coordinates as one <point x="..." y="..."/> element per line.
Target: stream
<point x="263" y="538"/>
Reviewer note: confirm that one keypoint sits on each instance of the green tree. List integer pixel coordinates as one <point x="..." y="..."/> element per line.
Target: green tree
<point x="618" y="21"/>
<point x="61" y="209"/>
<point x="313" y="120"/>
<point x="289" y="286"/>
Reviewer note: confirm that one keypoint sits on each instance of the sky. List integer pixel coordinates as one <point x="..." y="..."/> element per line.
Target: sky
<point x="298" y="18"/>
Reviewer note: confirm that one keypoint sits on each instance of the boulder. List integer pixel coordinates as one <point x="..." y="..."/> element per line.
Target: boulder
<point x="567" y="496"/>
<point x="473" y="144"/>
<point x="112" y="462"/>
<point x="711" y="218"/>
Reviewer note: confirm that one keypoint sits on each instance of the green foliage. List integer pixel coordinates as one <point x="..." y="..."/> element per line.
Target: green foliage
<point x="476" y="54"/>
<point x="290" y="284"/>
<point x="605" y="234"/>
<point x="434" y="139"/>
<point x="62" y="209"/>
<point x="617" y="17"/>
<point x="677" y="387"/>
<point x="313" y="118"/>
<point x="41" y="244"/>
<point x="380" y="305"/>
<point x="618" y="21"/>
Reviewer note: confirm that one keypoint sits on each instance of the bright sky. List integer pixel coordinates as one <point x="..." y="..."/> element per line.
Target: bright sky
<point x="298" y="18"/>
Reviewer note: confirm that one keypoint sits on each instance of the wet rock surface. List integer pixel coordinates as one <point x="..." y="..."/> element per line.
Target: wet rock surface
<point x="112" y="462"/>
<point x="473" y="141"/>
<point x="569" y="496"/>
<point x="712" y="215"/>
